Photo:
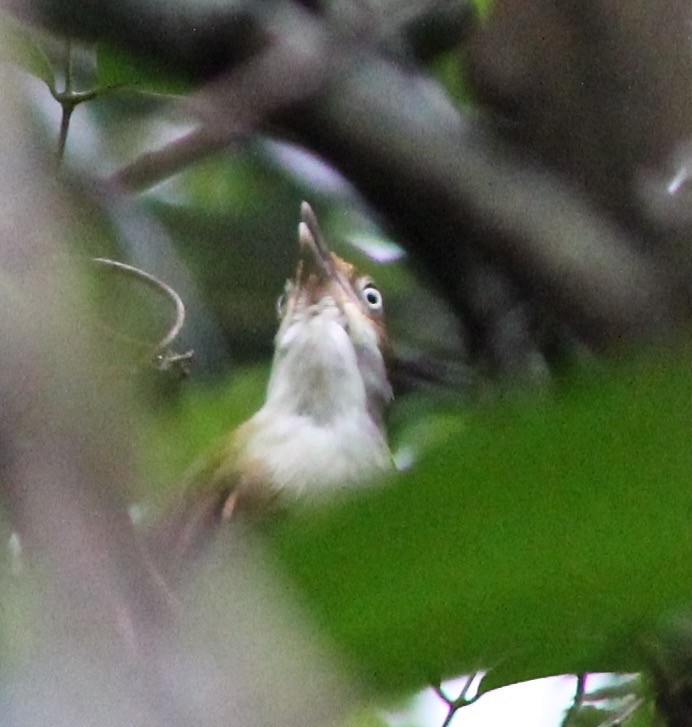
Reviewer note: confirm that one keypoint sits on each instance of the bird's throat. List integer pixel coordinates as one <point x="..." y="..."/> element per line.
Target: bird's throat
<point x="316" y="426"/>
<point x="316" y="373"/>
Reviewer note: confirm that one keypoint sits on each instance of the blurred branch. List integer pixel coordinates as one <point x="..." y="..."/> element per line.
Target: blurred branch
<point x="599" y="91"/>
<point x="472" y="207"/>
<point x="509" y="211"/>
<point x="413" y="370"/>
<point x="111" y="645"/>
<point x="202" y="40"/>
<point x="434" y="27"/>
<point x="197" y="40"/>
<point x="66" y="463"/>
<point x="153" y="167"/>
<point x="428" y="28"/>
<point x="287" y="71"/>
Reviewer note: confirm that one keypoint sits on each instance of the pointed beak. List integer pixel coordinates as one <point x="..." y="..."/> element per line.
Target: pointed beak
<point x="314" y="253"/>
<point x="318" y="271"/>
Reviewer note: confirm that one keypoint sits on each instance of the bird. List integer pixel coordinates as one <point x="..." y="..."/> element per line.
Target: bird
<point x="322" y="425"/>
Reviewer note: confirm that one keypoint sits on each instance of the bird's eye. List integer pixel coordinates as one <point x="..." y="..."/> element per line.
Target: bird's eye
<point x="372" y="297"/>
<point x="281" y="306"/>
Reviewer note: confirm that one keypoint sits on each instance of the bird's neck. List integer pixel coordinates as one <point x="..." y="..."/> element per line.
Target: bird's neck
<point x="321" y="376"/>
<point x="317" y="426"/>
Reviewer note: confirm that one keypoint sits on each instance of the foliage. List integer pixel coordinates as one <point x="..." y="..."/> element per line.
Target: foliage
<point x="20" y="47"/>
<point x="533" y="529"/>
<point x="544" y="530"/>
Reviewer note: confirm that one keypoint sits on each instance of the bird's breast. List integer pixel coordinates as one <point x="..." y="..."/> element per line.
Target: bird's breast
<point x="301" y="455"/>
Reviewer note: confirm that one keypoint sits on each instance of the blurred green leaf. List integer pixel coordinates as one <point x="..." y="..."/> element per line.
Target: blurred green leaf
<point x="539" y="538"/>
<point x="450" y="71"/>
<point x="644" y="716"/>
<point x="117" y="68"/>
<point x="484" y="7"/>
<point x="19" y="46"/>
<point x="365" y="718"/>
<point x="189" y="428"/>
<point x="588" y="716"/>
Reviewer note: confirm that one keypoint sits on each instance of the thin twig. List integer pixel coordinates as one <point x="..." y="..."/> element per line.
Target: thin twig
<point x="454" y="705"/>
<point x="64" y="128"/>
<point x="450" y="716"/>
<point x="576" y="702"/>
<point x="161" y="355"/>
<point x="67" y="108"/>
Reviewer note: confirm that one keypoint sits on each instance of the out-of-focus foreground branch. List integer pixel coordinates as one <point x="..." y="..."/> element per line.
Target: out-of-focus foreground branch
<point x="108" y="643"/>
<point x="65" y="457"/>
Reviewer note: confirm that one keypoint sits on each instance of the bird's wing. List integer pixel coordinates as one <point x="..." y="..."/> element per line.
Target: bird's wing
<point x="216" y="489"/>
<point x="187" y="528"/>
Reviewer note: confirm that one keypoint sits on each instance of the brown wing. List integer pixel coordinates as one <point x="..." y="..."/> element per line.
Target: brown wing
<point x="220" y="488"/>
<point x="186" y="529"/>
<point x="185" y="533"/>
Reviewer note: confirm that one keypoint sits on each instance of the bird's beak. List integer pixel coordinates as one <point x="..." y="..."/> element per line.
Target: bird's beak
<point x="314" y="253"/>
<point x="318" y="269"/>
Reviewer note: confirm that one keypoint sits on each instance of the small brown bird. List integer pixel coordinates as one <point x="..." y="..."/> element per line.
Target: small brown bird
<point x="321" y="425"/>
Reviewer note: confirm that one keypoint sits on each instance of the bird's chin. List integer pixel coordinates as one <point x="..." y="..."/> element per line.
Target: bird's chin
<point x="315" y="373"/>
<point x="315" y="329"/>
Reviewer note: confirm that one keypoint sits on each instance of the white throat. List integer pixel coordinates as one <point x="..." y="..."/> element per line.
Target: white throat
<point x="315" y="371"/>
<point x="316" y="426"/>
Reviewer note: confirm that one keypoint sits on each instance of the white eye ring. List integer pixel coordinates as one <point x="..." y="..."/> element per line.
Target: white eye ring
<point x="281" y="305"/>
<point x="372" y="297"/>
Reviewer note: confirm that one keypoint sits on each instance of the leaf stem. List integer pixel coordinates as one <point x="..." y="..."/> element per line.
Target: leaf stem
<point x="65" y="102"/>
<point x="576" y="701"/>
<point x="454" y="705"/>
<point x="64" y="128"/>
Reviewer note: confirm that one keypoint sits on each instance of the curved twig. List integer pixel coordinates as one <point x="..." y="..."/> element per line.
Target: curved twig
<point x="160" y="353"/>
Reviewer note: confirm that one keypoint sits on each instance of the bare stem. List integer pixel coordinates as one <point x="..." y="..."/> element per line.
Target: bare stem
<point x="64" y="128"/>
<point x="66" y="105"/>
<point x="454" y="705"/>
<point x="161" y="355"/>
<point x="576" y="702"/>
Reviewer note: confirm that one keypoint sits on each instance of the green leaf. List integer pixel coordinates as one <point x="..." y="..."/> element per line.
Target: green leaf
<point x="588" y="716"/>
<point x="119" y="69"/>
<point x="539" y="538"/>
<point x="19" y="46"/>
<point x="484" y="7"/>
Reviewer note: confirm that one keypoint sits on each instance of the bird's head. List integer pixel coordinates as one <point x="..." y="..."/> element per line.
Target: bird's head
<point x="332" y="344"/>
